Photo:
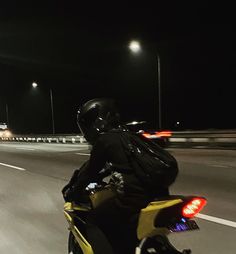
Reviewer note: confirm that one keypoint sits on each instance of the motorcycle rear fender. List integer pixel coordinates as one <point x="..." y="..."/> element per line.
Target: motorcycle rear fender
<point x="147" y="217"/>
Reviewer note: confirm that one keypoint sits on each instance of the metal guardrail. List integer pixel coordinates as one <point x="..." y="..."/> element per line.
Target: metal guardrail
<point x="63" y="138"/>
<point x="206" y="138"/>
<point x="211" y="139"/>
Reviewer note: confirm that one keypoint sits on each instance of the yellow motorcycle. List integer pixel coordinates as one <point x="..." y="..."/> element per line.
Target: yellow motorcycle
<point x="160" y="218"/>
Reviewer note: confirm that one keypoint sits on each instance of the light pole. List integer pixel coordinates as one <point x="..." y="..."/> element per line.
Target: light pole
<point x="7" y="114"/>
<point x="52" y="111"/>
<point x="159" y="88"/>
<point x="35" y="85"/>
<point x="135" y="48"/>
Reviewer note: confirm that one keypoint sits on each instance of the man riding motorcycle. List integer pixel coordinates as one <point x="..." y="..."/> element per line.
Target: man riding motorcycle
<point x="99" y="122"/>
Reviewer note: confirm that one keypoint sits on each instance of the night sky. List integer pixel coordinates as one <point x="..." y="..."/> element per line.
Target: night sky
<point x="81" y="52"/>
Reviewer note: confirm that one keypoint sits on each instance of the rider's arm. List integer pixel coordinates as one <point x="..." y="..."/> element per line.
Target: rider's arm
<point x="95" y="164"/>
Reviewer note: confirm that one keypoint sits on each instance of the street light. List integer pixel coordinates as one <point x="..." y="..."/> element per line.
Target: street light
<point x="135" y="47"/>
<point x="35" y="85"/>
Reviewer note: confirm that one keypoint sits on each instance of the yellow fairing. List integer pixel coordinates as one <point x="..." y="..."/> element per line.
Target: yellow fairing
<point x="70" y="207"/>
<point x="99" y="197"/>
<point x="147" y="216"/>
<point x="83" y="243"/>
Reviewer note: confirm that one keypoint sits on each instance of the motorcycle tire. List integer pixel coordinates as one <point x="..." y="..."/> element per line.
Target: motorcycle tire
<point x="73" y="246"/>
<point x="159" y="245"/>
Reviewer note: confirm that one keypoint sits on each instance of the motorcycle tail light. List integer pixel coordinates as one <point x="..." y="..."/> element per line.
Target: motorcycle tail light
<point x="193" y="207"/>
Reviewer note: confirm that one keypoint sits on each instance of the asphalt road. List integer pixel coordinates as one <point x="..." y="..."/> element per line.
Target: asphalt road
<point x="31" y="205"/>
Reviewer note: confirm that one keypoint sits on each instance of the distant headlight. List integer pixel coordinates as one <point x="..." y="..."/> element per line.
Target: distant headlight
<point x="7" y="134"/>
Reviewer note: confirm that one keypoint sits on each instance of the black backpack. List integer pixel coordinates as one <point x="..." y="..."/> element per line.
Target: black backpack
<point x="153" y="166"/>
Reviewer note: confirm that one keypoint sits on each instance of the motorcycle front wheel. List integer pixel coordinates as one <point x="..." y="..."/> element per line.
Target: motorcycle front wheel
<point x="73" y="246"/>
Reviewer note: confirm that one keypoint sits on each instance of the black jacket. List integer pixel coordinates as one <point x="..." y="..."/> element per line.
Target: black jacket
<point x="109" y="149"/>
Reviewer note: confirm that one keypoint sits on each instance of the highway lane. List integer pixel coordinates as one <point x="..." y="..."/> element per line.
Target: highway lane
<point x="210" y="173"/>
<point x="31" y="217"/>
<point x="31" y="202"/>
<point x="55" y="160"/>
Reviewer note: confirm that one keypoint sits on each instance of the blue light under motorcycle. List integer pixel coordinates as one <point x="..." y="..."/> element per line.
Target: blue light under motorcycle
<point x="183" y="225"/>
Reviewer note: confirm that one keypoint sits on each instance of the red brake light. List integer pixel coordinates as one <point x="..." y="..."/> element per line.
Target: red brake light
<point x="147" y="135"/>
<point x="193" y="207"/>
<point x="158" y="134"/>
<point x="164" y="133"/>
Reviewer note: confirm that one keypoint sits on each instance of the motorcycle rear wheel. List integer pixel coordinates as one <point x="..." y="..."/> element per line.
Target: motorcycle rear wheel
<point x="160" y="245"/>
<point x="73" y="246"/>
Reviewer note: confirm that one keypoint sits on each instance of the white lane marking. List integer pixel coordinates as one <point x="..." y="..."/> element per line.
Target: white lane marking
<point x="217" y="220"/>
<point x="11" y="166"/>
<point x="83" y="153"/>
<point x="218" y="166"/>
<point x="21" y="148"/>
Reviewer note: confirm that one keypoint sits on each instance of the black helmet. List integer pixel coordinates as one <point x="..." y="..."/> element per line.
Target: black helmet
<point x="96" y="116"/>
